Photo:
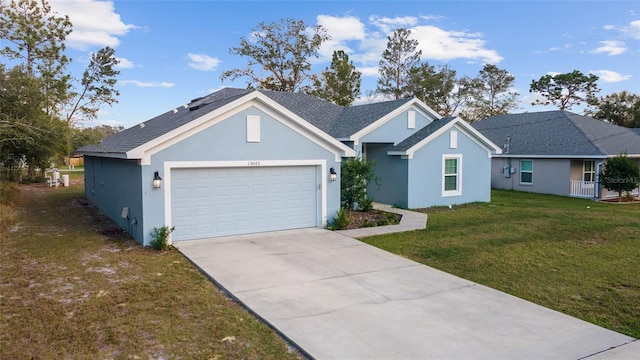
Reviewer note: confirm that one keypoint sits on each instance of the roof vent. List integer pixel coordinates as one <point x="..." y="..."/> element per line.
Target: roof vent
<point x="175" y="111"/>
<point x="185" y="106"/>
<point x="141" y="125"/>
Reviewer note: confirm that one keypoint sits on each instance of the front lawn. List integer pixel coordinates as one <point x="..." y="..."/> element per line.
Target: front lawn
<point x="576" y="256"/>
<point x="72" y="286"/>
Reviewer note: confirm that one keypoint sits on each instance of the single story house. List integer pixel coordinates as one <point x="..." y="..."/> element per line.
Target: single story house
<point x="555" y="152"/>
<point x="241" y="161"/>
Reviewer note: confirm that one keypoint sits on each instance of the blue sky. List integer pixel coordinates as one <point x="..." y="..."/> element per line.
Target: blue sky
<point x="174" y="51"/>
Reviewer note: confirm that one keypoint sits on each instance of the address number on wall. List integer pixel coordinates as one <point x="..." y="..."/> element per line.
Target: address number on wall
<point x="253" y="163"/>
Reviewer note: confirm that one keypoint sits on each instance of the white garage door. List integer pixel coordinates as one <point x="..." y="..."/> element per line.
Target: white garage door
<point x="214" y="202"/>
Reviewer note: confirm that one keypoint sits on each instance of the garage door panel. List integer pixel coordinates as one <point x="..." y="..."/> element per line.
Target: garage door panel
<point x="214" y="202"/>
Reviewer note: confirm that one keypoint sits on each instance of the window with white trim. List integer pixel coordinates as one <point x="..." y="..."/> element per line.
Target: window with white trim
<point x="526" y="172"/>
<point x="253" y="128"/>
<point x="589" y="173"/>
<point x="451" y="175"/>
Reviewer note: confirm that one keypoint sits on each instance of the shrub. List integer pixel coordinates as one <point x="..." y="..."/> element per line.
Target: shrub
<point x="355" y="174"/>
<point x="366" y="204"/>
<point x="160" y="237"/>
<point x="620" y="174"/>
<point x="341" y="221"/>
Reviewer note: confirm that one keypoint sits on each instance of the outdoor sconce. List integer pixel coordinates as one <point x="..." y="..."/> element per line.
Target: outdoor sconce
<point x="157" y="180"/>
<point x="334" y="176"/>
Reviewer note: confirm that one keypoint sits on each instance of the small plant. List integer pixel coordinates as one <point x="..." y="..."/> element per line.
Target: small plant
<point x="366" y="204"/>
<point x="160" y="236"/>
<point x="341" y="221"/>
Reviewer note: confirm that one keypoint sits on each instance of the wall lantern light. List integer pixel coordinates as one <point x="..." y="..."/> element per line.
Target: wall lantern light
<point x="334" y="176"/>
<point x="157" y="180"/>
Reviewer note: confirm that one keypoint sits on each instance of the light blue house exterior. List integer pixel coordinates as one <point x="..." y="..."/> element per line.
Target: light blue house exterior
<point x="232" y="164"/>
<point x="241" y="161"/>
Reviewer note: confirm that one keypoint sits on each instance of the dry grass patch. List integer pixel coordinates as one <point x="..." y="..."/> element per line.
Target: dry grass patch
<point x="71" y="286"/>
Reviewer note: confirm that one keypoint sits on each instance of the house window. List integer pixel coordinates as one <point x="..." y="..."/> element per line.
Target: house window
<point x="589" y="173"/>
<point x="451" y="175"/>
<point x="526" y="171"/>
<point x="253" y="128"/>
<point x="411" y="120"/>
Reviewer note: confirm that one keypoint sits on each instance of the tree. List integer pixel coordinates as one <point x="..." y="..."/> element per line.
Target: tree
<point x="92" y="135"/>
<point x="27" y="132"/>
<point x="490" y="94"/>
<point x="283" y="51"/>
<point x="565" y="90"/>
<point x="622" y="109"/>
<point x="339" y="83"/>
<point x="433" y="87"/>
<point x="621" y="173"/>
<point x="398" y="59"/>
<point x="97" y="87"/>
<point x="36" y="39"/>
<point x="356" y="173"/>
<point x="35" y="43"/>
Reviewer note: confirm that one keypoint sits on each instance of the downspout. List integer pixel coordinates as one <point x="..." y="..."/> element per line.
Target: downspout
<point x="596" y="185"/>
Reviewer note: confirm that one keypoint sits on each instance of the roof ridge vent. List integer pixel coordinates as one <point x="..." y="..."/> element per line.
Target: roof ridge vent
<point x="175" y="111"/>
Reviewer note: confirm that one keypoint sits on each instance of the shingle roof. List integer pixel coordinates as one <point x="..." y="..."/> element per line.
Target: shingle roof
<point x="558" y="133"/>
<point x="355" y="118"/>
<point x="422" y="134"/>
<point x="334" y="120"/>
<point x="144" y="132"/>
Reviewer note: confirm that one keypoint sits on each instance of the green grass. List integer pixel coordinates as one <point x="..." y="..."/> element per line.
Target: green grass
<point x="72" y="286"/>
<point x="576" y="256"/>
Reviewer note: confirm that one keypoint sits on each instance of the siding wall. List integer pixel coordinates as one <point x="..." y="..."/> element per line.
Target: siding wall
<point x="393" y="172"/>
<point x="112" y="184"/>
<point x="227" y="141"/>
<point x="425" y="172"/>
<point x="550" y="176"/>
<point x="395" y="130"/>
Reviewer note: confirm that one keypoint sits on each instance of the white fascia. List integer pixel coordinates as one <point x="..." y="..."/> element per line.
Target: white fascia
<point x="416" y="104"/>
<point x="472" y="133"/>
<point x="144" y="151"/>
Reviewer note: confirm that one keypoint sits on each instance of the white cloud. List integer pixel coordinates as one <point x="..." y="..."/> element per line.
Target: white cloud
<point x="440" y="44"/>
<point x="609" y="27"/>
<point x="610" y="76"/>
<point x="388" y="25"/>
<point x="369" y="71"/>
<point x="342" y="28"/>
<point x="147" y="84"/>
<point x="633" y="30"/>
<point x="95" y="23"/>
<point x="610" y="47"/>
<point x="203" y="62"/>
<point x="124" y="63"/>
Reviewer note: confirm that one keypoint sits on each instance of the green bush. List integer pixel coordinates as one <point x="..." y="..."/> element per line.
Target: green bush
<point x="366" y="204"/>
<point x="356" y="173"/>
<point x="341" y="221"/>
<point x="160" y="237"/>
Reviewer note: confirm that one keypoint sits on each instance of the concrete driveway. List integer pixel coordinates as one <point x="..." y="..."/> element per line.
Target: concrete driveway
<point x="338" y="298"/>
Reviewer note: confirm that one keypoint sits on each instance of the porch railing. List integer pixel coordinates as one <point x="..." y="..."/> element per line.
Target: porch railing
<point x="582" y="188"/>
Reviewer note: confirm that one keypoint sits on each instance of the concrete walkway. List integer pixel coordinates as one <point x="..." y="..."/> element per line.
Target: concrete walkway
<point x="410" y="220"/>
<point x="338" y="298"/>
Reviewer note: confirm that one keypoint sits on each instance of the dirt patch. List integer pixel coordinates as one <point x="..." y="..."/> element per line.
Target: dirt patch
<point x="624" y="199"/>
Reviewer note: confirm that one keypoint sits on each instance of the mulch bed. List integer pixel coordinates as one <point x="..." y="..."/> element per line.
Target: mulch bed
<point x="361" y="219"/>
